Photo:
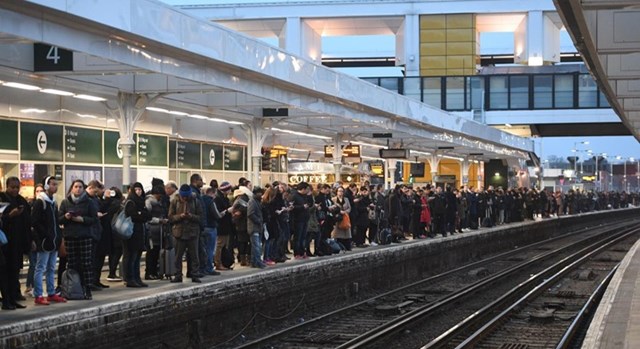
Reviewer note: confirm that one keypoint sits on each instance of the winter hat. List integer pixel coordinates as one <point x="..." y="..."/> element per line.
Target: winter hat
<point x="156" y="182"/>
<point x="158" y="189"/>
<point x="138" y="185"/>
<point x="185" y="190"/>
<point x="224" y="186"/>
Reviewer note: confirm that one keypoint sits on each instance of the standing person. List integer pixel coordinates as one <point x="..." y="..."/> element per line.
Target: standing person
<point x="425" y="215"/>
<point x="196" y="184"/>
<point x="47" y="237"/>
<point x="242" y="196"/>
<point x="270" y="218"/>
<point x="313" y="226"/>
<point x="255" y="227"/>
<point x="325" y="216"/>
<point x="135" y="208"/>
<point x="113" y="202"/>
<point x="341" y="206"/>
<point x="184" y="213"/>
<point x="77" y="214"/>
<point x="95" y="191"/>
<point x="158" y="227"/>
<point x="363" y="205"/>
<point x="300" y="215"/>
<point x="33" y="255"/>
<point x="16" y="223"/>
<point x="225" y="226"/>
<point x="438" y="211"/>
<point x="451" y="210"/>
<point x="210" y="230"/>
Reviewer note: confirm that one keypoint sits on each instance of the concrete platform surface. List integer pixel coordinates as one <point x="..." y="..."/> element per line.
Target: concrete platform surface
<point x="616" y="323"/>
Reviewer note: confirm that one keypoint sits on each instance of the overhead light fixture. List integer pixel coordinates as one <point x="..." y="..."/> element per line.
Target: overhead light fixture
<point x="21" y="86"/>
<point x="57" y="92"/>
<point x="90" y="98"/>
<point x="300" y="133"/>
<point x="420" y="152"/>
<point x="298" y="150"/>
<point x="32" y="110"/>
<point x="161" y="110"/>
<point x="179" y="113"/>
<point x="196" y="116"/>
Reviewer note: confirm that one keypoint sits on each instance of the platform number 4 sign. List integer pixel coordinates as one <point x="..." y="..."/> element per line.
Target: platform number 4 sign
<point x="51" y="58"/>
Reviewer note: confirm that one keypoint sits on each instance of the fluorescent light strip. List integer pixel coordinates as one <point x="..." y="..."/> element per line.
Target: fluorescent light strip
<point x="160" y="110"/>
<point x="21" y="86"/>
<point x="33" y="110"/>
<point x="420" y="152"/>
<point x="300" y="133"/>
<point x="179" y="113"/>
<point x="90" y="98"/>
<point x="57" y="92"/>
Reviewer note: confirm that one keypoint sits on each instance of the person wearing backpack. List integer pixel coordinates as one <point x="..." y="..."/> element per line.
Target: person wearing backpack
<point x="47" y="237"/>
<point x="77" y="214"/>
<point x="135" y="208"/>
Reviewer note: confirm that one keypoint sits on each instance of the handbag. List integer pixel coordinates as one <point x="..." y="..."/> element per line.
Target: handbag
<point x="345" y="223"/>
<point x="3" y="238"/>
<point x="122" y="225"/>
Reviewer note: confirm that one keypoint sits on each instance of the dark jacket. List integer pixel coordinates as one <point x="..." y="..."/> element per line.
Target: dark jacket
<point x="135" y="208"/>
<point x="44" y="219"/>
<point x="83" y="207"/>
<point x="158" y="213"/>
<point x="225" y="225"/>
<point x="18" y="231"/>
<point x="189" y="227"/>
<point x="300" y="213"/>
<point x="362" y="206"/>
<point x="254" y="216"/>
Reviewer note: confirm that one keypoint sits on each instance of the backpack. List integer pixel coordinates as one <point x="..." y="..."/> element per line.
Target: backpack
<point x="226" y="257"/>
<point x="71" y="286"/>
<point x="385" y="236"/>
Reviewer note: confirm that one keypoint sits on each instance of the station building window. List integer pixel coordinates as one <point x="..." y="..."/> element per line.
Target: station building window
<point x="499" y="92"/>
<point x="432" y="91"/>
<point x="476" y="93"/>
<point x="587" y="92"/>
<point x="563" y="91"/>
<point x="455" y="93"/>
<point x="542" y="92"/>
<point x="519" y="92"/>
<point x="412" y="88"/>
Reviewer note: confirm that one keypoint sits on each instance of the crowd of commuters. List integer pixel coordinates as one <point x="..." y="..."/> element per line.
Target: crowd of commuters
<point x="259" y="226"/>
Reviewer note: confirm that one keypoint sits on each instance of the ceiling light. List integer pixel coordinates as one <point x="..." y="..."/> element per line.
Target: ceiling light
<point x="33" y="110"/>
<point x="300" y="133"/>
<point x="299" y="150"/>
<point x="161" y="110"/>
<point x="179" y="113"/>
<point x="90" y="98"/>
<point x="196" y="116"/>
<point x="420" y="152"/>
<point x="21" y="86"/>
<point x="57" y="92"/>
<point x="234" y="122"/>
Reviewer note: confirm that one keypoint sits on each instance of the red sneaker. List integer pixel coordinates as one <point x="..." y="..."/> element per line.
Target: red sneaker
<point x="41" y="301"/>
<point x="57" y="298"/>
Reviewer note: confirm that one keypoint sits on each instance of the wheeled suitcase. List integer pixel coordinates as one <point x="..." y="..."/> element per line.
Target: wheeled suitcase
<point x="167" y="259"/>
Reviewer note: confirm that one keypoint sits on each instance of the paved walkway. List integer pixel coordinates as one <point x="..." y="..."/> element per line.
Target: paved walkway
<point x="616" y="324"/>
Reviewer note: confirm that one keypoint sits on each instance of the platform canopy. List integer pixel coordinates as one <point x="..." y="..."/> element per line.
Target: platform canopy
<point x="206" y="72"/>
<point x="605" y="32"/>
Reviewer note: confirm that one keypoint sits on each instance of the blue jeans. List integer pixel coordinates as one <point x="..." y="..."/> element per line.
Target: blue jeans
<point x="301" y="236"/>
<point x="210" y="244"/>
<point x="46" y="262"/>
<point x="256" y="249"/>
<point x="32" y="267"/>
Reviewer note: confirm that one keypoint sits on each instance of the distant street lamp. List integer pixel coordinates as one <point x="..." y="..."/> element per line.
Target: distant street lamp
<point x="575" y="162"/>
<point x="604" y="155"/>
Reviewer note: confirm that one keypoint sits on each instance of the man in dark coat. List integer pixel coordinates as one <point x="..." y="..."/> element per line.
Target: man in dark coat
<point x="16" y="224"/>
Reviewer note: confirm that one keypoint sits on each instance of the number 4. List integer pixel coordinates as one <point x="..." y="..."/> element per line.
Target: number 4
<point x="53" y="54"/>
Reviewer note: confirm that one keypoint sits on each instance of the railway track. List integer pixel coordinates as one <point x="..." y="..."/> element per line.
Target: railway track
<point x="368" y="322"/>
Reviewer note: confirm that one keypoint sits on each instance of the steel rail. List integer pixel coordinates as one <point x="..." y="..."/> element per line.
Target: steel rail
<point x="547" y="281"/>
<point x="395" y="325"/>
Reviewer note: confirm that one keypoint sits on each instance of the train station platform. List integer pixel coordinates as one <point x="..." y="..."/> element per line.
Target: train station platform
<point x="616" y="323"/>
<point x="238" y="304"/>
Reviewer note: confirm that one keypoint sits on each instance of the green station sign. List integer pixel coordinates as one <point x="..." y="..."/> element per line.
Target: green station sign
<point x="40" y="142"/>
<point x="212" y="158"/>
<point x="188" y="155"/>
<point x="112" y="151"/>
<point x="8" y="135"/>
<point x="173" y="162"/>
<point x="233" y="158"/>
<point x="83" y="145"/>
<point x="152" y="150"/>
